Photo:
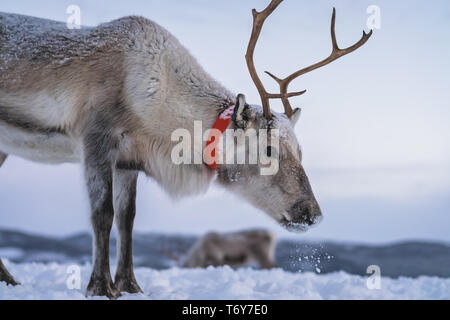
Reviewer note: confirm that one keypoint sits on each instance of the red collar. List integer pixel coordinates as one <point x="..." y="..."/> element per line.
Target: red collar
<point x="221" y="124"/>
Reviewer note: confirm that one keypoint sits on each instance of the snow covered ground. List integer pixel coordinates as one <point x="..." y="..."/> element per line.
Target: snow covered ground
<point x="49" y="281"/>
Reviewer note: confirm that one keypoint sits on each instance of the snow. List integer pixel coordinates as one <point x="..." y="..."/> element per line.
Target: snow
<point x="48" y="281"/>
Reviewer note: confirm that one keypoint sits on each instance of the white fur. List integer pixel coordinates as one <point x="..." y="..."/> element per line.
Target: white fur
<point x="50" y="148"/>
<point x="177" y="180"/>
<point x="53" y="108"/>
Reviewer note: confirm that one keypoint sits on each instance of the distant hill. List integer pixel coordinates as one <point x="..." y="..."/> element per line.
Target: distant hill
<point x="162" y="251"/>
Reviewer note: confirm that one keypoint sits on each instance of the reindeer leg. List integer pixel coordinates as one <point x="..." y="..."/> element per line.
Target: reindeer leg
<point x="99" y="155"/>
<point x="263" y="257"/>
<point x="124" y="190"/>
<point x="3" y="157"/>
<point x="5" y="276"/>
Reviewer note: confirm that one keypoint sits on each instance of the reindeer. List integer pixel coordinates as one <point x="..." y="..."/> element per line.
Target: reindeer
<point x="109" y="97"/>
<point x="235" y="249"/>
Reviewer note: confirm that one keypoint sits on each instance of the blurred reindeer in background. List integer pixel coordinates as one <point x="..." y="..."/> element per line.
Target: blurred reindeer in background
<point x="234" y="249"/>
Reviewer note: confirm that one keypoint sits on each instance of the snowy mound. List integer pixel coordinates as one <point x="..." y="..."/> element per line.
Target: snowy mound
<point x="49" y="281"/>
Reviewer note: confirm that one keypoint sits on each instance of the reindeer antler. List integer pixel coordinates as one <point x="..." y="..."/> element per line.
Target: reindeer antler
<point x="258" y="22"/>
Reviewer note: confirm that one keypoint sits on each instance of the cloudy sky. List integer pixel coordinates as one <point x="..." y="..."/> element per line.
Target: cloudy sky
<point x="374" y="129"/>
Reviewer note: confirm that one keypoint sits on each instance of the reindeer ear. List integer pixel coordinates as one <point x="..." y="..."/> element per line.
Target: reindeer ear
<point x="240" y="116"/>
<point x="295" y="116"/>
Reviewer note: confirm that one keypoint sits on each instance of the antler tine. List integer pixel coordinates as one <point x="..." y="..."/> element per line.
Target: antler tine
<point x="258" y="22"/>
<point x="335" y="54"/>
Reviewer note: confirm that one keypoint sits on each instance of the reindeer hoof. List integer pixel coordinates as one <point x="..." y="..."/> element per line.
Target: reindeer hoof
<point x="9" y="281"/>
<point x="103" y="288"/>
<point x="129" y="285"/>
<point x="5" y="276"/>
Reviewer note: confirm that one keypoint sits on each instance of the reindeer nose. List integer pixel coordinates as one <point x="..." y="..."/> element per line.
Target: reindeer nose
<point x="306" y="211"/>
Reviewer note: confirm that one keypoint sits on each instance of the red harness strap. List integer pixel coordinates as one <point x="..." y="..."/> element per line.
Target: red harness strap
<point x="221" y="124"/>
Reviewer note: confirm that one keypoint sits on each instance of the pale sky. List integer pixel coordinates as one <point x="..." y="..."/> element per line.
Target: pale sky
<point x="374" y="128"/>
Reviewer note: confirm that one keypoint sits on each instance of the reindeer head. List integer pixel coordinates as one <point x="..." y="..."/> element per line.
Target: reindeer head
<point x="286" y="195"/>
